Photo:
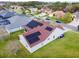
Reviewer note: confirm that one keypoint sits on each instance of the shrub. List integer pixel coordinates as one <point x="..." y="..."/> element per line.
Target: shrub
<point x="67" y="18"/>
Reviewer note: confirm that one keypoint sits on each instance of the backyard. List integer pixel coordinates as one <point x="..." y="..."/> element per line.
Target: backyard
<point x="65" y="47"/>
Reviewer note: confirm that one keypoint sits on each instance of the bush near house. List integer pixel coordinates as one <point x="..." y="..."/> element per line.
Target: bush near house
<point x="67" y="18"/>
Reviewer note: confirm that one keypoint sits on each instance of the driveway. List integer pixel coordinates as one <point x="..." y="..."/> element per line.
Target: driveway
<point x="75" y="22"/>
<point x="69" y="26"/>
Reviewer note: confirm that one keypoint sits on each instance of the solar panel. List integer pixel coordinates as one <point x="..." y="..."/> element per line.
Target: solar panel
<point x="32" y="38"/>
<point x="4" y="22"/>
<point x="33" y="24"/>
<point x="6" y="14"/>
<point x="49" y="28"/>
<point x="9" y="14"/>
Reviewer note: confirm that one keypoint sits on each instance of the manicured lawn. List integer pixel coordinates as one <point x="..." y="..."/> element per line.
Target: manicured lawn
<point x="65" y="47"/>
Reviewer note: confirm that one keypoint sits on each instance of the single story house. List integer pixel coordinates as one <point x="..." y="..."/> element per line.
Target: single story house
<point x="17" y="8"/>
<point x="4" y="14"/>
<point x="45" y="9"/>
<point x="4" y="22"/>
<point x="38" y="34"/>
<point x="13" y="21"/>
<point x="2" y="3"/>
<point x="33" y="10"/>
<point x="16" y="22"/>
<point x="58" y="14"/>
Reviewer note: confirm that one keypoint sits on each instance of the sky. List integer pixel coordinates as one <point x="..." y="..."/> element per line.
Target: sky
<point x="43" y="0"/>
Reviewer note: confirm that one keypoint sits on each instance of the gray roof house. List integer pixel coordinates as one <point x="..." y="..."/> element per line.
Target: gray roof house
<point x="4" y="22"/>
<point x="16" y="22"/>
<point x="2" y="3"/>
<point x="13" y="21"/>
<point x="6" y="14"/>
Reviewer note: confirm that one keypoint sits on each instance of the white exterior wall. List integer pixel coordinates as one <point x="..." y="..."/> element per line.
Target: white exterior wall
<point x="24" y="42"/>
<point x="14" y="30"/>
<point x="55" y="34"/>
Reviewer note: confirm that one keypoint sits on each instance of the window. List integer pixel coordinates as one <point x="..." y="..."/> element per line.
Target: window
<point x="33" y="24"/>
<point x="32" y="38"/>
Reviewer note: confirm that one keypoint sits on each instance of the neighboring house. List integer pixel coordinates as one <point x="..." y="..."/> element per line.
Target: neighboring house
<point x="33" y="10"/>
<point x="38" y="34"/>
<point x="50" y="14"/>
<point x="13" y="21"/>
<point x="4" y="14"/>
<point x="47" y="11"/>
<point x="2" y="3"/>
<point x="58" y="14"/>
<point x="4" y="22"/>
<point x="16" y="8"/>
<point x="44" y="9"/>
<point x="16" y="22"/>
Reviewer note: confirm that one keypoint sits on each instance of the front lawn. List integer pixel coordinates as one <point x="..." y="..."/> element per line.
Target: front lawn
<point x="65" y="47"/>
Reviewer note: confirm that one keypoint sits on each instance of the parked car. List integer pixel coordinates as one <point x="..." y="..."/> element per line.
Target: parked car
<point x="57" y="21"/>
<point x="61" y="36"/>
<point x="47" y="19"/>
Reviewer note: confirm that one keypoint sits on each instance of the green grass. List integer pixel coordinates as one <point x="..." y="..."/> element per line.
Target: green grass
<point x="65" y="47"/>
<point x="53" y="18"/>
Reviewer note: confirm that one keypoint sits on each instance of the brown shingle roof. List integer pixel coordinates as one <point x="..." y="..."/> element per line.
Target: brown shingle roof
<point x="44" y="33"/>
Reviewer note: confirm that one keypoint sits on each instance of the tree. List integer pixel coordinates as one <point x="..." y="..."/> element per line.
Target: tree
<point x="67" y="18"/>
<point x="76" y="7"/>
<point x="58" y="5"/>
<point x="68" y="8"/>
<point x="72" y="7"/>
